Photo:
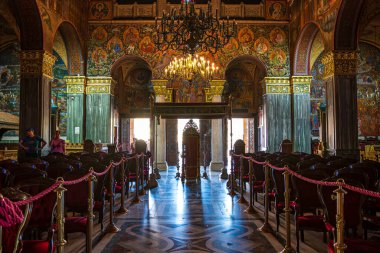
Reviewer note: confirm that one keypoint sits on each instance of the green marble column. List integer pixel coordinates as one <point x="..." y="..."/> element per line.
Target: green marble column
<point x="301" y="113"/>
<point x="75" y="108"/>
<point x="277" y="112"/>
<point x="99" y="92"/>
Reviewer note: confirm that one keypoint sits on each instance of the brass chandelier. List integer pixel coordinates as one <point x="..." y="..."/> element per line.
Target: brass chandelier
<point x="188" y="67"/>
<point x="190" y="31"/>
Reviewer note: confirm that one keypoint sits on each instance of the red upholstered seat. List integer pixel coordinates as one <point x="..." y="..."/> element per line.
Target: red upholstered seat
<point x="357" y="246"/>
<point x="75" y="224"/>
<point x="37" y="246"/>
<point x="312" y="222"/>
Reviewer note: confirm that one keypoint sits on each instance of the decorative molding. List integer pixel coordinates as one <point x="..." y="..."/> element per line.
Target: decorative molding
<point x="35" y="63"/>
<point x="277" y="85"/>
<point x="340" y="63"/>
<point x="169" y="95"/>
<point x="75" y="84"/>
<point x="301" y="84"/>
<point x="216" y="89"/>
<point x="159" y="87"/>
<point x="100" y="85"/>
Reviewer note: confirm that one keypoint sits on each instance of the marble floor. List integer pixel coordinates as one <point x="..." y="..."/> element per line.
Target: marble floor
<point x="195" y="216"/>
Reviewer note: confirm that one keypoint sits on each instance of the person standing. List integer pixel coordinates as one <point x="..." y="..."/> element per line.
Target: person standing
<point x="32" y="144"/>
<point x="57" y="145"/>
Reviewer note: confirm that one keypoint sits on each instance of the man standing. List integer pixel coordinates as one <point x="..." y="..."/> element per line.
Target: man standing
<point x="32" y="144"/>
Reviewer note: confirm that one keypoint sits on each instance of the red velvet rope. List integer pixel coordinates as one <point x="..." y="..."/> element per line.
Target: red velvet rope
<point x="76" y="181"/>
<point x="10" y="214"/>
<point x="312" y="181"/>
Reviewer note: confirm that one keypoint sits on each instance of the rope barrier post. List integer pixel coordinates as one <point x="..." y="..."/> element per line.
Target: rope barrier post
<point x="90" y="212"/>
<point x="111" y="228"/>
<point x="232" y="179"/>
<point x="122" y="209"/>
<point x="136" y="198"/>
<point x="152" y="181"/>
<point x="60" y="219"/>
<point x="339" y="244"/>
<point x="266" y="227"/>
<point x="242" y="200"/>
<point x="142" y="172"/>
<point x="288" y="247"/>
<point x="250" y="208"/>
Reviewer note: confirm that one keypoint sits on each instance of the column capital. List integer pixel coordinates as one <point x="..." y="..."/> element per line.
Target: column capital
<point x="301" y="84"/>
<point x="75" y="84"/>
<point x="35" y="63"/>
<point x="277" y="85"/>
<point x="100" y="85"/>
<point x="340" y="63"/>
<point x="159" y="87"/>
<point x="216" y="89"/>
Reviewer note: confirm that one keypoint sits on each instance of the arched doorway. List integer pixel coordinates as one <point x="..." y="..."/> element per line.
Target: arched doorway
<point x="244" y="76"/>
<point x="309" y="51"/>
<point x="132" y="99"/>
<point x="67" y="108"/>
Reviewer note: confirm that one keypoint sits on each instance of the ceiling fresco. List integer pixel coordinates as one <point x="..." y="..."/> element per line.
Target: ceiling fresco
<point x="109" y="42"/>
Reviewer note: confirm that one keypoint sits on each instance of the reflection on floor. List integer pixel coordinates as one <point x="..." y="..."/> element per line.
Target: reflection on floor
<point x="191" y="217"/>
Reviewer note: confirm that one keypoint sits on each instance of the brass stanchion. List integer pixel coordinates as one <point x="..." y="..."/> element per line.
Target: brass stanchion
<point x="136" y="198"/>
<point x="232" y="179"/>
<point x="111" y="228"/>
<point x="152" y="182"/>
<point x="339" y="244"/>
<point x="241" y="200"/>
<point x="288" y="247"/>
<point x="122" y="209"/>
<point x="142" y="171"/>
<point x="250" y="208"/>
<point x="90" y="212"/>
<point x="60" y="218"/>
<point x="266" y="227"/>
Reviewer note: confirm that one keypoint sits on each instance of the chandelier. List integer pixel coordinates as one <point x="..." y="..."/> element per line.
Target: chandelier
<point x="188" y="67"/>
<point x="190" y="31"/>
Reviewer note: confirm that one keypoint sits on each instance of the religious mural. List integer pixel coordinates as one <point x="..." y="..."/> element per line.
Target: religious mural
<point x="368" y="80"/>
<point x="323" y="12"/>
<point x="317" y="94"/>
<point x="368" y="83"/>
<point x="100" y="10"/>
<point x="10" y="80"/>
<point x="109" y="42"/>
<point x="276" y="10"/>
<point x="58" y="93"/>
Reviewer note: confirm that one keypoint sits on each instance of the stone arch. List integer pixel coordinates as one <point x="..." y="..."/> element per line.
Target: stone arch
<point x="302" y="51"/>
<point x="346" y="26"/>
<point x="244" y="75"/>
<point x="29" y="21"/>
<point x="129" y="59"/>
<point x="72" y="46"/>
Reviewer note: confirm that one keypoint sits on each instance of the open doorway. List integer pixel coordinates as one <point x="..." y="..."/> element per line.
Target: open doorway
<point x="239" y="131"/>
<point x="141" y="129"/>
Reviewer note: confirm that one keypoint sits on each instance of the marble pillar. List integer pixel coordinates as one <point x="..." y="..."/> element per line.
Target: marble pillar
<point x="341" y="98"/>
<point x="215" y="94"/>
<point x="277" y="112"/>
<point x="99" y="99"/>
<point x="75" y="86"/>
<point x="162" y="96"/>
<point x="301" y="113"/>
<point x="36" y="73"/>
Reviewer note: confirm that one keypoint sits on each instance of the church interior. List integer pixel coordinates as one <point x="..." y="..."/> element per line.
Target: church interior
<point x="189" y="126"/>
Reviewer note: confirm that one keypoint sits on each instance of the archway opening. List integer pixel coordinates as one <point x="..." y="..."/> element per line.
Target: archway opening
<point x="244" y="76"/>
<point x="132" y="100"/>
